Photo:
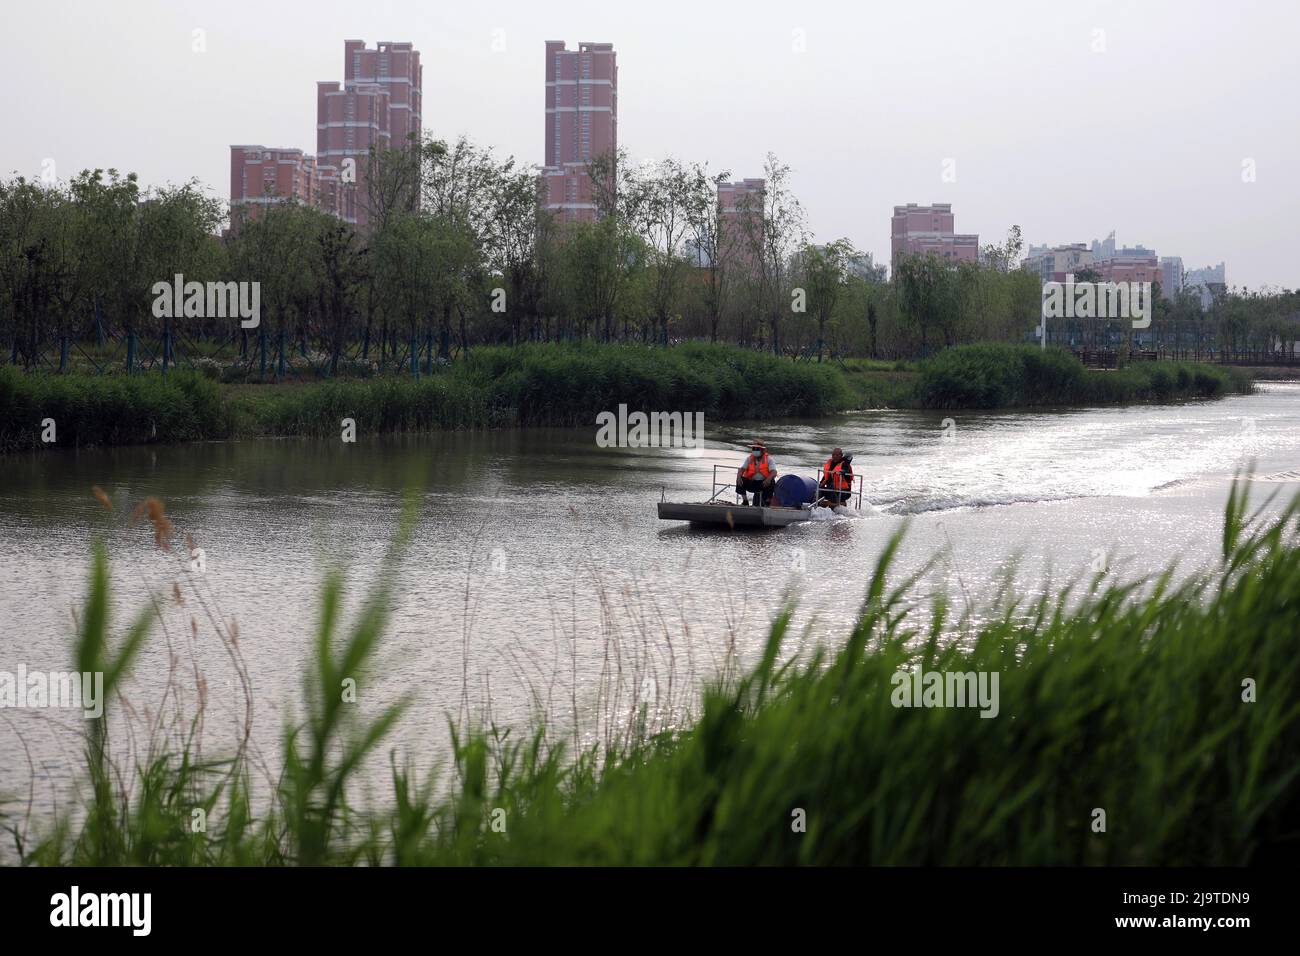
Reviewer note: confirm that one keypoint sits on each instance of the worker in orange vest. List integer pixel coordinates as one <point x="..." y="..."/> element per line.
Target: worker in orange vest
<point x="757" y="474"/>
<point x="837" y="478"/>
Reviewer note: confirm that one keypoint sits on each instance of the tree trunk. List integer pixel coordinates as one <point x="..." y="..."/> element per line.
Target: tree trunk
<point x="444" y="335"/>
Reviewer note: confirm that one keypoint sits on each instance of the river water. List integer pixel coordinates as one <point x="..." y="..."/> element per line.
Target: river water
<point x="538" y="581"/>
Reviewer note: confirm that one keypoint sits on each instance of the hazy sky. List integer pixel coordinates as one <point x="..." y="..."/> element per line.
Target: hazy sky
<point x="1068" y="119"/>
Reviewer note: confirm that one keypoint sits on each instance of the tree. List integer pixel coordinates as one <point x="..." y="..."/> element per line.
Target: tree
<point x="774" y="227"/>
<point x="116" y="276"/>
<point x="927" y="295"/>
<point x="516" y="228"/>
<point x="460" y="183"/>
<point x="599" y="260"/>
<point x="278" y="251"/>
<point x="715" y="240"/>
<point x="341" y="267"/>
<point x="605" y="255"/>
<point x="392" y="182"/>
<point x="826" y="275"/>
<point x="1005" y="257"/>
<point x="35" y="275"/>
<point x="660" y="203"/>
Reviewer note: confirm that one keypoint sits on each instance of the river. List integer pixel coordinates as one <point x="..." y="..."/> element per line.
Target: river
<point x="538" y="580"/>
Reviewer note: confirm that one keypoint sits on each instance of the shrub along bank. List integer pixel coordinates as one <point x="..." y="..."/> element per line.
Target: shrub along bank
<point x="568" y="385"/>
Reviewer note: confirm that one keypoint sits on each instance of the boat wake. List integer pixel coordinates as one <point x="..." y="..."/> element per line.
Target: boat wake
<point x="953" y="503"/>
<point x="1173" y="484"/>
<point x="1292" y="475"/>
<point x="833" y="514"/>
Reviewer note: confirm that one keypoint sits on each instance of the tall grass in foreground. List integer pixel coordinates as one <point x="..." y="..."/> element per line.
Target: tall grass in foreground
<point x="1129" y="698"/>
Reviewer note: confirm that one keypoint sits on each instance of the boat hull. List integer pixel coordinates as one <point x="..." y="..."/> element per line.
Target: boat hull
<point x="731" y="516"/>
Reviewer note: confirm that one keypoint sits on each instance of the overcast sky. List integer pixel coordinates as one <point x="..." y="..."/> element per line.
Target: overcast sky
<point x="1068" y="119"/>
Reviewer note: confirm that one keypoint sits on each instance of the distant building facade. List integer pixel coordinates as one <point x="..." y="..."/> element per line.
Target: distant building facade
<point x="1104" y="248"/>
<point x="379" y="104"/>
<point x="925" y="230"/>
<point x="737" y="202"/>
<point x="1171" y="275"/>
<point x="1138" y="268"/>
<point x="1132" y="252"/>
<point x="1116" y="263"/>
<point x="864" y="266"/>
<point x="581" y="124"/>
<point x="1207" y="283"/>
<point x="261" y="176"/>
<point x="1054" y="263"/>
<point x="740" y="208"/>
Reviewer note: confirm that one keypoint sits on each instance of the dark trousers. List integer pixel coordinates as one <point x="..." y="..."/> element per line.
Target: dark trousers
<point x="762" y="496"/>
<point x="836" y="497"/>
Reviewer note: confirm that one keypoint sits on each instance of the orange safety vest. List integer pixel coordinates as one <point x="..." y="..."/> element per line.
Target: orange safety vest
<point x="834" y="477"/>
<point x="762" y="467"/>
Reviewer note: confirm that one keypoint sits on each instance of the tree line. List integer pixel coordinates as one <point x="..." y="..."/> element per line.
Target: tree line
<point x="460" y="251"/>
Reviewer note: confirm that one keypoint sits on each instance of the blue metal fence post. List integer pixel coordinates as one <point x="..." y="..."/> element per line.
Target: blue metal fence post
<point x="261" y="346"/>
<point x="280" y="368"/>
<point x="63" y="354"/>
<point x="415" y="359"/>
<point x="166" y="347"/>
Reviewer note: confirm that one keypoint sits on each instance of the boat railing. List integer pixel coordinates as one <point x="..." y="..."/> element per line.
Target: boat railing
<point x="854" y="489"/>
<point x="729" y="485"/>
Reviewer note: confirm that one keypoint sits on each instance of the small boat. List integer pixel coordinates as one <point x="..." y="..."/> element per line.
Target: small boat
<point x="793" y="500"/>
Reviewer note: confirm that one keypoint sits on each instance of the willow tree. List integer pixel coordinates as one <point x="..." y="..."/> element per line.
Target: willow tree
<point x="927" y="295"/>
<point x="826" y="273"/>
<point x="659" y="203"/>
<point x="516" y="229"/>
<point x="459" y="187"/>
<point x="774" y="226"/>
<point x="278" y="250"/>
<point x="715" y="238"/>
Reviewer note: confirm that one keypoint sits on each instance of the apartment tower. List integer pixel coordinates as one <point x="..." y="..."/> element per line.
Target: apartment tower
<point x="929" y="230"/>
<point x="379" y="105"/>
<point x="581" y="124"/>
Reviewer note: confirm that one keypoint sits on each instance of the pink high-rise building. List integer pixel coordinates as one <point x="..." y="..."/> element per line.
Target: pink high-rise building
<point x="581" y="124"/>
<point x="744" y="196"/>
<point x="379" y="105"/>
<point x="740" y="207"/>
<point x="260" y="175"/>
<point x="926" y="230"/>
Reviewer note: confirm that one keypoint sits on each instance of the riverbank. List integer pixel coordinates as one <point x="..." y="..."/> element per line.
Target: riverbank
<point x="540" y="385"/>
<point x="1144" y="725"/>
<point x="1023" y="376"/>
